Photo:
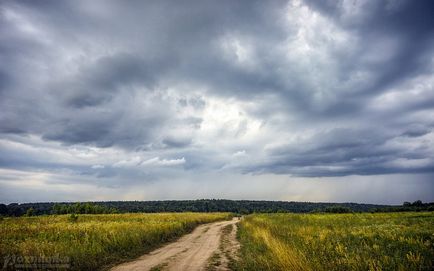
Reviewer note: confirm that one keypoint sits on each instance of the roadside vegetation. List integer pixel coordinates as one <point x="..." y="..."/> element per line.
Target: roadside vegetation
<point x="92" y="241"/>
<point x="379" y="241"/>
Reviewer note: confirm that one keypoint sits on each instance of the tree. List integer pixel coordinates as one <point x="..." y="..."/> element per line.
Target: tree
<point x="30" y="212"/>
<point x="3" y="209"/>
<point x="418" y="203"/>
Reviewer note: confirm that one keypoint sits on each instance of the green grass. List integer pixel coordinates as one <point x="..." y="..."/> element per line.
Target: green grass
<point x="93" y="241"/>
<point x="381" y="241"/>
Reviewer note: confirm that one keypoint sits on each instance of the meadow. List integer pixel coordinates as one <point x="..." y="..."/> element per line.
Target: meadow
<point x="92" y="241"/>
<point x="360" y="241"/>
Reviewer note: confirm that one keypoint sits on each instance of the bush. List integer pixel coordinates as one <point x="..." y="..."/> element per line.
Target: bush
<point x="30" y="212"/>
<point x="73" y="218"/>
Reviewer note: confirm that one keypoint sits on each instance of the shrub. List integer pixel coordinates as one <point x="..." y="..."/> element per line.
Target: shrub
<point x="73" y="218"/>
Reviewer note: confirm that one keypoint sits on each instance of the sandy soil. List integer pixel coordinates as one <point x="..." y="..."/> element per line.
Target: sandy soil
<point x="227" y="253"/>
<point x="191" y="252"/>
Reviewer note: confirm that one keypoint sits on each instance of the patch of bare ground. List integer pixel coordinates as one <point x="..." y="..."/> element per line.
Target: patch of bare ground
<point x="226" y="255"/>
<point x="193" y="251"/>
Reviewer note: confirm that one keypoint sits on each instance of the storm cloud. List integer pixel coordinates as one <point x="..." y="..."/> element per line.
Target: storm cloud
<point x="127" y="96"/>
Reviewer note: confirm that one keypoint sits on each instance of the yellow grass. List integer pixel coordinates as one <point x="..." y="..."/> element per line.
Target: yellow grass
<point x="95" y="240"/>
<point x="392" y="241"/>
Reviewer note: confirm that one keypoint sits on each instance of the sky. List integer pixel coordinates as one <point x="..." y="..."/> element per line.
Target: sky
<point x="323" y="101"/>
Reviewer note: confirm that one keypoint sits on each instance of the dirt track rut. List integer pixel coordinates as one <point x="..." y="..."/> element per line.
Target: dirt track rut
<point x="191" y="252"/>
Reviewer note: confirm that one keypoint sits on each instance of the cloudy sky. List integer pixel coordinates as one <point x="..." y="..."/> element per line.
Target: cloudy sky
<point x="278" y="100"/>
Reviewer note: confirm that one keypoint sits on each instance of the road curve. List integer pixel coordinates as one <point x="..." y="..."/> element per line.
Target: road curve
<point x="191" y="252"/>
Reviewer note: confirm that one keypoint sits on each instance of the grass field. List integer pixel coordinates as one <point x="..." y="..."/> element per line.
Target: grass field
<point x="93" y="241"/>
<point x="392" y="241"/>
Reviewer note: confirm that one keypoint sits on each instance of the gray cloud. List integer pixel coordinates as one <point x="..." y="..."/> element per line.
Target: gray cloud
<point x="297" y="88"/>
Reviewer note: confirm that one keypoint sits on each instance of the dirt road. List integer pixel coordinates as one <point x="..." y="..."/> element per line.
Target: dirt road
<point x="208" y="247"/>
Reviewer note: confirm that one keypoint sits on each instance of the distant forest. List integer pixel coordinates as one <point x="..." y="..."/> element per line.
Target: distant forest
<point x="203" y="205"/>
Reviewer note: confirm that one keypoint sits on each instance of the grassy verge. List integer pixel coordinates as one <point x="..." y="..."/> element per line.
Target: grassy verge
<point x="92" y="241"/>
<point x="382" y="241"/>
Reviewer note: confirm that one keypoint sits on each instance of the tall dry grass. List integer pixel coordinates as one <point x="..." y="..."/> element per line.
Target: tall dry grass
<point x="392" y="241"/>
<point x="93" y="241"/>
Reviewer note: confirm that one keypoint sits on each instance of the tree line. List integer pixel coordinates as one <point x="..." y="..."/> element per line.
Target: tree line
<point x="203" y="205"/>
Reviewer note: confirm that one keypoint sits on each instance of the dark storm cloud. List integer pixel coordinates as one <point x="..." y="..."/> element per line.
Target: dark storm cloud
<point x="177" y="142"/>
<point x="341" y="152"/>
<point x="142" y="77"/>
<point x="100" y="82"/>
<point x="411" y="22"/>
<point x="155" y="41"/>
